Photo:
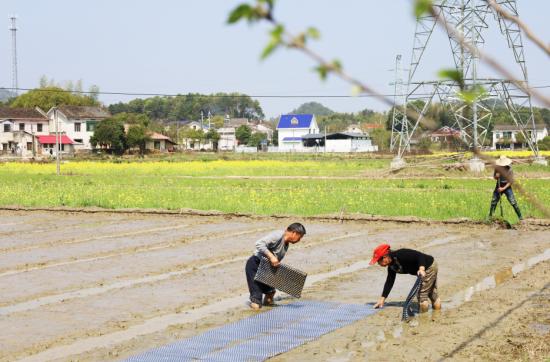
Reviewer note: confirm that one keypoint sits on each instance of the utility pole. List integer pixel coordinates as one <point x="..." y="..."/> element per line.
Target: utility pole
<point x="33" y="141"/>
<point x="57" y="141"/>
<point x="202" y="119"/>
<point x="209" y="125"/>
<point x="13" y="29"/>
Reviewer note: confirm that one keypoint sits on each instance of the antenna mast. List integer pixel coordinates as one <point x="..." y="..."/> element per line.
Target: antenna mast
<point x="13" y="30"/>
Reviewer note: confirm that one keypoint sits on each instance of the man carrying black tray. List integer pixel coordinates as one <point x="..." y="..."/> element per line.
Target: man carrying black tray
<point x="274" y="247"/>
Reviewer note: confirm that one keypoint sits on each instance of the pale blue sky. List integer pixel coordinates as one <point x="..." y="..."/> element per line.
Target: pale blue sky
<point x="181" y="46"/>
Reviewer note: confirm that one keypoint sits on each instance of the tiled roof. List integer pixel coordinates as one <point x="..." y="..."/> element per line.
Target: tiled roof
<point x="51" y="139"/>
<point x="84" y="112"/>
<point x="446" y="131"/>
<point x="295" y="121"/>
<point x="513" y="127"/>
<point x="236" y="122"/>
<point x="29" y="114"/>
<point x="157" y="136"/>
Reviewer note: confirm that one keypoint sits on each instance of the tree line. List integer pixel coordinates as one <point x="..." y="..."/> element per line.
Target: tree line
<point x="190" y="106"/>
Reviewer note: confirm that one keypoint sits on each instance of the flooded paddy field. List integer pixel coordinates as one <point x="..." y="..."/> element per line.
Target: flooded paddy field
<point x="106" y="286"/>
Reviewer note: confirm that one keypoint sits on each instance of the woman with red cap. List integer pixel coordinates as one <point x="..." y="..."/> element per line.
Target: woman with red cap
<point x="408" y="261"/>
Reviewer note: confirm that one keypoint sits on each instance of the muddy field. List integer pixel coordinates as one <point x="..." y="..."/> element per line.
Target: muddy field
<point x="102" y="287"/>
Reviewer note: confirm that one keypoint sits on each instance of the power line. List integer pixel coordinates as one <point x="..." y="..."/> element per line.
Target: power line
<point x="217" y="95"/>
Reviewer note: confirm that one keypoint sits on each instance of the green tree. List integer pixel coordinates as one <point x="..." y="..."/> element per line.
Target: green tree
<point x="132" y="118"/>
<point x="381" y="138"/>
<point x="313" y="108"/>
<point x="256" y="139"/>
<point x="520" y="138"/>
<point x="138" y="136"/>
<point x="275" y="137"/>
<point x="193" y="135"/>
<point x="425" y="144"/>
<point x="109" y="134"/>
<point x="217" y="121"/>
<point x="243" y="134"/>
<point x="544" y="144"/>
<point x="189" y="106"/>
<point x="49" y="97"/>
<point x="213" y="136"/>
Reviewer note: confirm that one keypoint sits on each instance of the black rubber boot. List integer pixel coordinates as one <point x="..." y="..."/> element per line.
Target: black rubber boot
<point x="518" y="211"/>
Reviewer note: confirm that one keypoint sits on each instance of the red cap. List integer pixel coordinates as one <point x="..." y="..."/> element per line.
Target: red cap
<point x="379" y="252"/>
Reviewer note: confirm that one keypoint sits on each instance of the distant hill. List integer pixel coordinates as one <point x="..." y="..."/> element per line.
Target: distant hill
<point x="313" y="108"/>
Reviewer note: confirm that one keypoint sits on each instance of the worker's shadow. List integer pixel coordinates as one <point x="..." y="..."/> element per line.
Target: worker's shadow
<point x="414" y="305"/>
<point x="397" y="304"/>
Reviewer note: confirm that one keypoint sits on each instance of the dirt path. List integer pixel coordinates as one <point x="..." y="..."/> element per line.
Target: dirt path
<point x="106" y="286"/>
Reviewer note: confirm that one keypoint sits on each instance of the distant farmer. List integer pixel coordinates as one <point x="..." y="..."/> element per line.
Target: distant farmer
<point x="274" y="247"/>
<point x="504" y="176"/>
<point x="408" y="261"/>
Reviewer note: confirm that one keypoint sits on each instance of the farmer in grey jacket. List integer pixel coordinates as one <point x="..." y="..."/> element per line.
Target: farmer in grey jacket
<point x="274" y="247"/>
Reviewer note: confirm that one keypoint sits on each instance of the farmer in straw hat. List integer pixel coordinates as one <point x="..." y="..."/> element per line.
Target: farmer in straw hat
<point x="413" y="262"/>
<point x="504" y="176"/>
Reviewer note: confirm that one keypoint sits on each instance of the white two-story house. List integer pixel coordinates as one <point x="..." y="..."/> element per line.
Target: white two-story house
<point x="20" y="129"/>
<point x="506" y="136"/>
<point x="292" y="127"/>
<point x="78" y="123"/>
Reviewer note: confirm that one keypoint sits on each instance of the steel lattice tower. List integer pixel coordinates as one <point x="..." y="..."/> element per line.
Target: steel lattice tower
<point x="470" y="18"/>
<point x="13" y="30"/>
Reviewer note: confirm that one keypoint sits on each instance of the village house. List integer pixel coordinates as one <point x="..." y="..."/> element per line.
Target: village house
<point x="292" y="127"/>
<point x="338" y="142"/>
<point x="78" y="123"/>
<point x="160" y="143"/>
<point x="191" y="137"/>
<point x="354" y="128"/>
<point x="19" y="131"/>
<point x="46" y="145"/>
<point x="507" y="136"/>
<point x="228" y="140"/>
<point x="445" y="134"/>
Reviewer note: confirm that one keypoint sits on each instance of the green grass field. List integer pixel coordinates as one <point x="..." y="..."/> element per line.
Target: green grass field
<point x="175" y="185"/>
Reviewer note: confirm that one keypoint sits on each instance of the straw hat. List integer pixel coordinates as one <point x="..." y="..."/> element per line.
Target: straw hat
<point x="503" y="161"/>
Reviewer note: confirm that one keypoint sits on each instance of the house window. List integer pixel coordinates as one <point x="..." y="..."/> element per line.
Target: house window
<point x="90" y="126"/>
<point x="21" y="126"/>
<point x="294" y="121"/>
<point x="77" y="127"/>
<point x="7" y="127"/>
<point x="507" y="134"/>
<point x="29" y="145"/>
<point x="39" y="127"/>
<point x="157" y="145"/>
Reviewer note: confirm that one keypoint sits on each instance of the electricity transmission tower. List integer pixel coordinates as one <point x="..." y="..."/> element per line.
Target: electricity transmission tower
<point x="13" y="30"/>
<point x="471" y="18"/>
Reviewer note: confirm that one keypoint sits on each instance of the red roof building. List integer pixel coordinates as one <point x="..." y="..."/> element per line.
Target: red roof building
<point x="50" y="139"/>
